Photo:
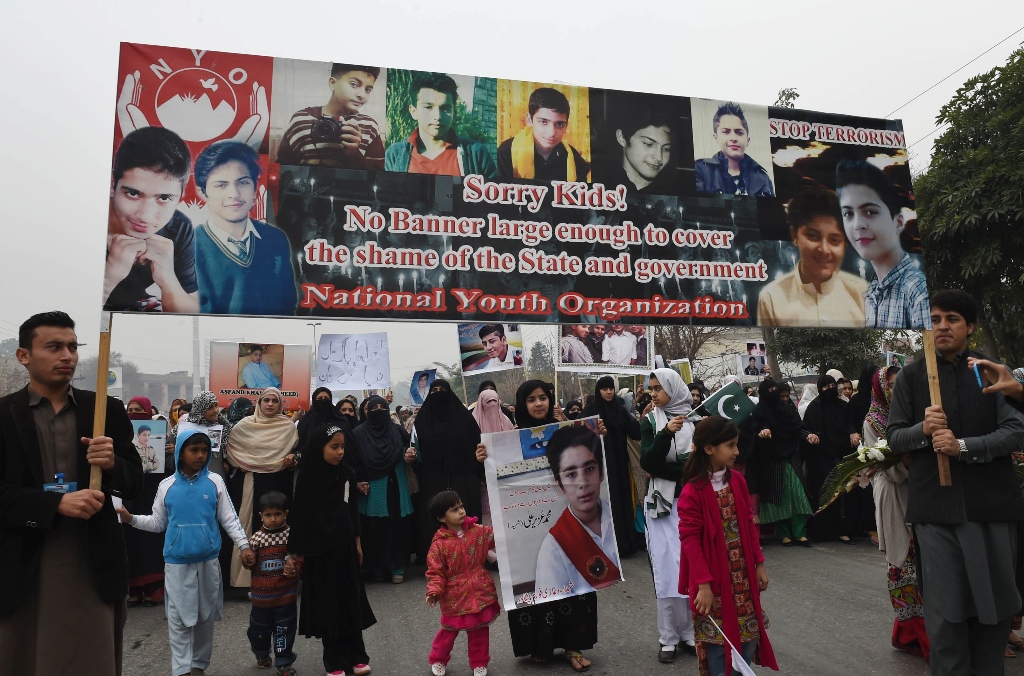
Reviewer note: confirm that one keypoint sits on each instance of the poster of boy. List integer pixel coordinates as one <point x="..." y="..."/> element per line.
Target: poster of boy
<point x="246" y="369"/>
<point x="548" y="488"/>
<point x="731" y="149"/>
<point x="419" y="387"/>
<point x="150" y="437"/>
<point x="490" y="347"/>
<point x="544" y="132"/>
<point x="441" y="124"/>
<point x="327" y="115"/>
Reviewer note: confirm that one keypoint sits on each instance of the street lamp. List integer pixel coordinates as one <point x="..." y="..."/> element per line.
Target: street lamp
<point x="314" y="325"/>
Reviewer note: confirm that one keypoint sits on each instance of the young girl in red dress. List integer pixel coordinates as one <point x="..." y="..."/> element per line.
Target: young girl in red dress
<point x="457" y="579"/>
<point x="721" y="567"/>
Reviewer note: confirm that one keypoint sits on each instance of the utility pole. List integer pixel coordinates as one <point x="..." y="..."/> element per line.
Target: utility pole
<point x="196" y="385"/>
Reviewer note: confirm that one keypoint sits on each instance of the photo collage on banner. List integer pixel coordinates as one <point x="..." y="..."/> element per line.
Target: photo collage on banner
<point x="150" y="439"/>
<point x="754" y="363"/>
<point x="606" y="348"/>
<point x="244" y="370"/>
<point x="490" y="347"/>
<point x="548" y="492"/>
<point x="353" y="361"/>
<point x="282" y="187"/>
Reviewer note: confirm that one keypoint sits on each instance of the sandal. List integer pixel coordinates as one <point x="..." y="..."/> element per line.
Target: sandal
<point x="1016" y="645"/>
<point x="134" y="600"/>
<point x="786" y="542"/>
<point x="1009" y="652"/>
<point x="540" y="659"/>
<point x="577" y="661"/>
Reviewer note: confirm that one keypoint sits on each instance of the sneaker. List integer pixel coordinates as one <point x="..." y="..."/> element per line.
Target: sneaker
<point x="361" y="669"/>
<point x="196" y="671"/>
<point x="286" y="671"/>
<point x="264" y="662"/>
<point x="438" y="669"/>
<point x="480" y="671"/>
<point x="340" y="672"/>
<point x="667" y="654"/>
<point x="397" y="578"/>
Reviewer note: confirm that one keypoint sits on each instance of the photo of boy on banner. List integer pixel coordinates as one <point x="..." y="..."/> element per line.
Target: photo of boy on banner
<point x="337" y="125"/>
<point x="549" y="489"/>
<point x="639" y="141"/>
<point x="491" y="347"/>
<point x="731" y="149"/>
<point x="441" y="124"/>
<point x="419" y="387"/>
<point x="150" y="436"/>
<point x="151" y="259"/>
<point x="865" y="161"/>
<point x="545" y="132"/>
<point x="244" y="370"/>
<point x="750" y="365"/>
<point x="260" y="366"/>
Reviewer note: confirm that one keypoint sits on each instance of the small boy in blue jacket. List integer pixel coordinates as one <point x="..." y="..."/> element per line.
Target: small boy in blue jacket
<point x="189" y="504"/>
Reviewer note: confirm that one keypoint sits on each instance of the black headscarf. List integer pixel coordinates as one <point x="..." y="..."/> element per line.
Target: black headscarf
<point x="322" y="413"/>
<point x="860" y="402"/>
<point x="353" y="418"/>
<point x="570" y="405"/>
<point x="447" y="432"/>
<point x="783" y="420"/>
<point x="381" y="447"/>
<point x="613" y="412"/>
<point x="319" y="507"/>
<point x="827" y="417"/>
<point x="523" y="418"/>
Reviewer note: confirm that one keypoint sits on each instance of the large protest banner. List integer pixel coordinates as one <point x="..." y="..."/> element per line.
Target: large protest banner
<point x="292" y="188"/>
<point x="553" y="529"/>
<point x="246" y="369"/>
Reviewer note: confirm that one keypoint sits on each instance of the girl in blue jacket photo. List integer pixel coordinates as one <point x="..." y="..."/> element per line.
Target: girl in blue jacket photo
<point x="189" y="505"/>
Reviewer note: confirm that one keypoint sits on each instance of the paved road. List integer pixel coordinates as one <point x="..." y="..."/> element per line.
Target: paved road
<point x="828" y="606"/>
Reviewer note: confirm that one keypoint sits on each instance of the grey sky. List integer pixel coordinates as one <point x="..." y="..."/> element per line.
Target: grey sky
<point x="59" y="61"/>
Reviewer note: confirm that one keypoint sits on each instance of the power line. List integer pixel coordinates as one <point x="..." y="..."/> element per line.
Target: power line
<point x="941" y="126"/>
<point x="955" y="72"/>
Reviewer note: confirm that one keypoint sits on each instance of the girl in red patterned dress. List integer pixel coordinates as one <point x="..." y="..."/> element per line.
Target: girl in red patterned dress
<point x="456" y="578"/>
<point x="721" y="567"/>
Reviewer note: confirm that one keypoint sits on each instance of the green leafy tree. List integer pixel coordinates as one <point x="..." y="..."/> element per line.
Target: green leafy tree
<point x="970" y="203"/>
<point x="787" y="98"/>
<point x="8" y="347"/>
<point x="823" y="349"/>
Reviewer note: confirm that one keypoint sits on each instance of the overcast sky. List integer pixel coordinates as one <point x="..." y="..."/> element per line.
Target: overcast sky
<point x="59" y="61"/>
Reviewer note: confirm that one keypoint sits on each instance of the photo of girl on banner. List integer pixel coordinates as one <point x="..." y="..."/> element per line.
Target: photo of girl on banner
<point x="548" y="488"/>
<point x="490" y="347"/>
<point x="149" y="442"/>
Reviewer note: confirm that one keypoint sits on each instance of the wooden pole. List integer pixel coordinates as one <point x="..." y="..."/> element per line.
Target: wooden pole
<point x="99" y="418"/>
<point x="465" y="392"/>
<point x="936" y="398"/>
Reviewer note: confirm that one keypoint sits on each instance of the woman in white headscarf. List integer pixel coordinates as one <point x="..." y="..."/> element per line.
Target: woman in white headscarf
<point x="809" y="394"/>
<point x="263" y="449"/>
<point x="666" y="437"/>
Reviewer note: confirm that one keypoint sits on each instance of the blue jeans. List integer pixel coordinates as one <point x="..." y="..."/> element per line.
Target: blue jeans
<point x="273" y="629"/>
<point x="716" y="656"/>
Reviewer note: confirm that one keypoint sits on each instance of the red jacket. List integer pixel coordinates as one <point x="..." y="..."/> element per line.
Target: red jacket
<point x="706" y="559"/>
<point x="455" y="569"/>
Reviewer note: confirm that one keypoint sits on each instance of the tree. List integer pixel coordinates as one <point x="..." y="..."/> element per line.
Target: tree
<point x="822" y="349"/>
<point x="8" y="347"/>
<point x="541" y="364"/>
<point x="787" y="98"/>
<point x="684" y="342"/>
<point x="13" y="375"/>
<point x="970" y="204"/>
<point x="131" y="378"/>
<point x="453" y="374"/>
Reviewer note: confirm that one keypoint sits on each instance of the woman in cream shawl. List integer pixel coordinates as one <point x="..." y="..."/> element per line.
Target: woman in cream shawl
<point x="263" y="449"/>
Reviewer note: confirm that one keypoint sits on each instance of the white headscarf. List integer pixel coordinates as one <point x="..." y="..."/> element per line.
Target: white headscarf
<point x="259" y="443"/>
<point x="661" y="492"/>
<point x="809" y="394"/>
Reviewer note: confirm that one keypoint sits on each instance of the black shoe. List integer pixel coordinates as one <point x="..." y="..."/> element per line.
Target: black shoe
<point x="804" y="542"/>
<point x="786" y="542"/>
<point x="689" y="646"/>
<point x="667" y="654"/>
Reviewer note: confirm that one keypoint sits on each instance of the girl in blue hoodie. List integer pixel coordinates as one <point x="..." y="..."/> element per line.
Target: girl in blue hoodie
<point x="189" y="505"/>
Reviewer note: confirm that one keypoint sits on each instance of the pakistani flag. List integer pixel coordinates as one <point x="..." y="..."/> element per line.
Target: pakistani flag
<point x="729" y="402"/>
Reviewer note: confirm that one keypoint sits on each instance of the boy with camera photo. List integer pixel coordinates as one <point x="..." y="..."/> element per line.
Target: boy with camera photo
<point x="337" y="134"/>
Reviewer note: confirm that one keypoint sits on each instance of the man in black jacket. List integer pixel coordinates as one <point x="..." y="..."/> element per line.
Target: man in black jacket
<point x="62" y="554"/>
<point x="966" y="533"/>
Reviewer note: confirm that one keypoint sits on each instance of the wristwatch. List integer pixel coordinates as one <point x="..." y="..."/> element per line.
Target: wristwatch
<point x="963" y="450"/>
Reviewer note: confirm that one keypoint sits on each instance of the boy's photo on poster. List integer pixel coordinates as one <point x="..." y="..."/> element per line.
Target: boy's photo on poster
<point x="609" y="348"/>
<point x="419" y="387"/>
<point x="260" y="366"/>
<point x="441" y="124"/>
<point x="750" y="365"/>
<point x="327" y="114"/>
<point x="641" y="141"/>
<point x="549" y="488"/>
<point x="149" y="440"/>
<point x="491" y="347"/>
<point x="731" y="148"/>
<point x="543" y="132"/>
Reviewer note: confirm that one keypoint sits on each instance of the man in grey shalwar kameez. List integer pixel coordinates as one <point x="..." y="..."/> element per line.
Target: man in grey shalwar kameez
<point x="966" y="532"/>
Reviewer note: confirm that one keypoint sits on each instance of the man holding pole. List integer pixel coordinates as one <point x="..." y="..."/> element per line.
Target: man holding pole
<point x="966" y="532"/>
<point x="62" y="553"/>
